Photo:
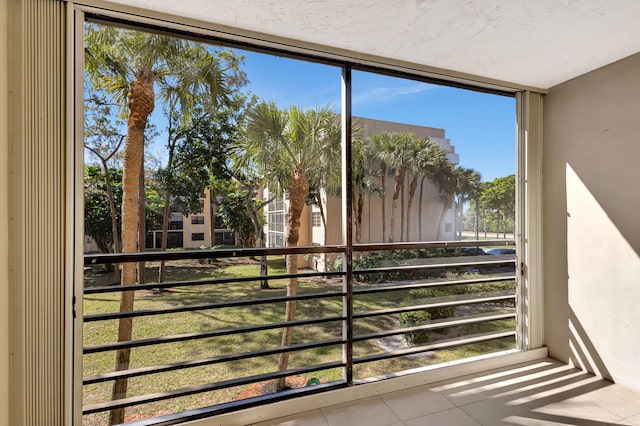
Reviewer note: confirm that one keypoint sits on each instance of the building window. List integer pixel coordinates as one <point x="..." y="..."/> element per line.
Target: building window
<point x="277" y="204"/>
<point x="225" y="238"/>
<point x="316" y="219"/>
<point x="197" y="220"/>
<point x="276" y="239"/>
<point x="275" y="223"/>
<point x="197" y="236"/>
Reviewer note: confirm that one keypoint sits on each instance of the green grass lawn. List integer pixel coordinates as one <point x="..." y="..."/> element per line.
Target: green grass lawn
<point x="97" y="333"/>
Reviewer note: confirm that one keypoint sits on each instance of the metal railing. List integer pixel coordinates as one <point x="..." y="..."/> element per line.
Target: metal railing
<point x="412" y="274"/>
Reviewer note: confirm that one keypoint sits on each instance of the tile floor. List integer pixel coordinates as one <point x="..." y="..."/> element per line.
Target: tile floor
<point x="537" y="393"/>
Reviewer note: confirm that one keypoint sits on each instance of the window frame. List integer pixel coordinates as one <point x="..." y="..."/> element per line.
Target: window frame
<point x="528" y="141"/>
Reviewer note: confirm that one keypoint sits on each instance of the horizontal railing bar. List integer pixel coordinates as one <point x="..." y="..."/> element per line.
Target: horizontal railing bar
<point x="207" y="306"/>
<point x="191" y="390"/>
<point x="205" y="334"/>
<point x="213" y="281"/>
<point x="443" y="344"/>
<point x="416" y="284"/>
<point x="231" y="406"/>
<point x="438" y="324"/>
<point x="458" y="302"/>
<point x="98" y="378"/>
<point x="397" y="268"/>
<point x="432" y="244"/>
<point x="106" y="258"/>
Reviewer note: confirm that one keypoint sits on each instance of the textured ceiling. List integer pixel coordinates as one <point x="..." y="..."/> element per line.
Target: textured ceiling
<point x="537" y="43"/>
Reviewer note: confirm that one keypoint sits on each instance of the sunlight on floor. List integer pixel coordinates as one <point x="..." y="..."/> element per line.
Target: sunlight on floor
<point x="536" y="393"/>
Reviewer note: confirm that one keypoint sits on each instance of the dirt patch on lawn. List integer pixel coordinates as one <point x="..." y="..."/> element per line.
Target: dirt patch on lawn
<point x="269" y="386"/>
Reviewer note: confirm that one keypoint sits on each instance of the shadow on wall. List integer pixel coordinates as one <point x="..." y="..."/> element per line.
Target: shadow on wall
<point x="583" y="353"/>
<point x="591" y="220"/>
<point x="603" y="287"/>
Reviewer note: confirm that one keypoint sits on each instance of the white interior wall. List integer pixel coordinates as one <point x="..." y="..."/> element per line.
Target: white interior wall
<point x="591" y="234"/>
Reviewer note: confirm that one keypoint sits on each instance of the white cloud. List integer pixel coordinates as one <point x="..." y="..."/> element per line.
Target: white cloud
<point x="380" y="94"/>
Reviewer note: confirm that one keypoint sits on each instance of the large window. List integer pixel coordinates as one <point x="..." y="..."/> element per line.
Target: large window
<point x="263" y="306"/>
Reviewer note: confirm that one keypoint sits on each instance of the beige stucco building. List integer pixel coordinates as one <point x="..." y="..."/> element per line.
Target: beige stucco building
<point x="573" y="70"/>
<point x="312" y="229"/>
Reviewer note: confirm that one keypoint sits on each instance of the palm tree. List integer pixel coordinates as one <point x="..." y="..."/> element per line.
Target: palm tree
<point x="467" y="188"/>
<point x="430" y="164"/>
<point x="397" y="155"/>
<point x="457" y="186"/>
<point x="424" y="157"/>
<point x="289" y="148"/>
<point x="445" y="181"/>
<point x="363" y="174"/>
<point x="128" y="64"/>
<point x="327" y="176"/>
<point x="381" y="142"/>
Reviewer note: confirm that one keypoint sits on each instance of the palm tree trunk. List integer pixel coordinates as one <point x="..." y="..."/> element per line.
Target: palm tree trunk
<point x="142" y="225"/>
<point x="443" y="215"/>
<point x="420" y="209"/>
<point x="383" y="172"/>
<point x="399" y="177"/>
<point x="114" y="221"/>
<point x="413" y="185"/>
<point x="456" y="222"/>
<point x="141" y="99"/>
<point x="359" y="217"/>
<point x="298" y="191"/>
<point x="402" y="212"/>
<point x="477" y="221"/>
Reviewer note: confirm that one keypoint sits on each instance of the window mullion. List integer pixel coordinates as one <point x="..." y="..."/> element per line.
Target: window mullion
<point x="347" y="226"/>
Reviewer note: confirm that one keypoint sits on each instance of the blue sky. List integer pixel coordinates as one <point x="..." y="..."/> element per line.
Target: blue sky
<point x="480" y="126"/>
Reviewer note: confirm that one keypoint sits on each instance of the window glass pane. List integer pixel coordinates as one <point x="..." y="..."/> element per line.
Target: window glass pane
<point x="434" y="163"/>
<point x="230" y="135"/>
<point x="431" y="164"/>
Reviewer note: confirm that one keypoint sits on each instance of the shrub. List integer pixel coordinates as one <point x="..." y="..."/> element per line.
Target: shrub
<point x="397" y="258"/>
<point x="411" y="319"/>
<point x="414" y="318"/>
